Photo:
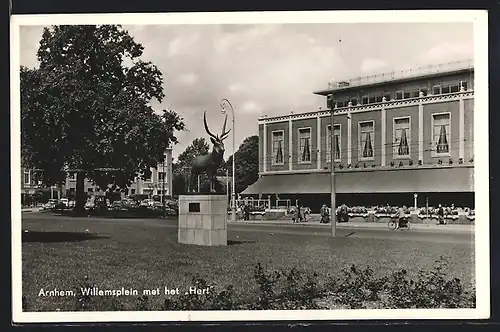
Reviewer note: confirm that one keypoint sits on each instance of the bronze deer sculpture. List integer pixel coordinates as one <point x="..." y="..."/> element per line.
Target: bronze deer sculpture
<point x="209" y="163"/>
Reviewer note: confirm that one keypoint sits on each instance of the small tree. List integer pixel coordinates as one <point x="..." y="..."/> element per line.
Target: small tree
<point x="246" y="163"/>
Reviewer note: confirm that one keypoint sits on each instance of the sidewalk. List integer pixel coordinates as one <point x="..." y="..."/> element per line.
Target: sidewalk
<point x="34" y="209"/>
<point x="350" y="224"/>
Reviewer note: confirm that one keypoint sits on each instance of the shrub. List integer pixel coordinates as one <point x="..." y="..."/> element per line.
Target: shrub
<point x="355" y="287"/>
<point x="431" y="289"/>
<point x="292" y="289"/>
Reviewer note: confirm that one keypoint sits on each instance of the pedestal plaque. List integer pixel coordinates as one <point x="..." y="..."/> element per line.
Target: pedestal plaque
<point x="203" y="220"/>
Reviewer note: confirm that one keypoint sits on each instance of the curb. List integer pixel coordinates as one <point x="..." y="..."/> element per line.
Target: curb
<point x="451" y="228"/>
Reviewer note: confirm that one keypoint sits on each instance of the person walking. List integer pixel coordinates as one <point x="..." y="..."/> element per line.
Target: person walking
<point x="440" y="212"/>
<point x="246" y="212"/>
<point x="323" y="212"/>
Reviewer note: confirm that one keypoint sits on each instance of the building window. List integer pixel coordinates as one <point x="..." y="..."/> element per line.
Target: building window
<point x="387" y="96"/>
<point x="455" y="88"/>
<point x="463" y="84"/>
<point x="415" y="93"/>
<point x="365" y="139"/>
<point x="436" y="90"/>
<point x="364" y="100"/>
<point x="402" y="137"/>
<point x="399" y="95"/>
<point x="441" y="134"/>
<point x="27" y="177"/>
<point x="336" y="147"/>
<point x="354" y="101"/>
<point x="161" y="176"/>
<point x="445" y="89"/>
<point x="371" y="100"/>
<point x="304" y="145"/>
<point x="278" y="144"/>
<point x="150" y="178"/>
<point x="342" y="103"/>
<point x="407" y="95"/>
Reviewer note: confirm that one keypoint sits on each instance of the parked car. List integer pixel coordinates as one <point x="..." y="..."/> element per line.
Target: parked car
<point x="128" y="203"/>
<point x="51" y="204"/>
<point x="148" y="203"/>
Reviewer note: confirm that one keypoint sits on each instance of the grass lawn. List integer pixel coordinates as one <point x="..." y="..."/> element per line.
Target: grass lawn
<point x="139" y="257"/>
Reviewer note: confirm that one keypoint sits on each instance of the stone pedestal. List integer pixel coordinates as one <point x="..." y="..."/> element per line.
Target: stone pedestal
<point x="203" y="220"/>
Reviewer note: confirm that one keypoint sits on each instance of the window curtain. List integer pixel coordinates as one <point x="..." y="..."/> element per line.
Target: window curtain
<point x="368" y="148"/>
<point x="306" y="152"/>
<point x="279" y="153"/>
<point x="442" y="144"/>
<point x="337" y="147"/>
<point x="403" y="148"/>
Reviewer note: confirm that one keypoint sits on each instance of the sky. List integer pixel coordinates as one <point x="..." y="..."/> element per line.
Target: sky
<point x="273" y="69"/>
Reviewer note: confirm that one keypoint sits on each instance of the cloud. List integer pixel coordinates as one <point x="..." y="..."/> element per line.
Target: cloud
<point x="182" y="44"/>
<point x="371" y="65"/>
<point x="188" y="79"/>
<point x="447" y="51"/>
<point x="237" y="87"/>
<point x="251" y="107"/>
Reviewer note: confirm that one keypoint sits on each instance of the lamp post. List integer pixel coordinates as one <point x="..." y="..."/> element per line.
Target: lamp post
<point x="163" y="189"/>
<point x="332" y="163"/>
<point x="224" y="103"/>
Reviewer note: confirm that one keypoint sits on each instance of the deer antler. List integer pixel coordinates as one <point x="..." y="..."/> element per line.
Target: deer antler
<point x="206" y="126"/>
<point x="224" y="132"/>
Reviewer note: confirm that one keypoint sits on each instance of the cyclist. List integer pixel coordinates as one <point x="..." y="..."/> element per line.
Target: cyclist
<point x="400" y="218"/>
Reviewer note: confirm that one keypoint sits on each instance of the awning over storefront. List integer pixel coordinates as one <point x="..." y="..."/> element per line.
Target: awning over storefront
<point x="446" y="179"/>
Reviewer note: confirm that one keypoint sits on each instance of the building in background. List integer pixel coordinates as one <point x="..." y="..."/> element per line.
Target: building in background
<point x="160" y="180"/>
<point x="396" y="134"/>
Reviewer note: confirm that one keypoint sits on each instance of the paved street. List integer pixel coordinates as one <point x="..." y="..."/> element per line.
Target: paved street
<point x="457" y="234"/>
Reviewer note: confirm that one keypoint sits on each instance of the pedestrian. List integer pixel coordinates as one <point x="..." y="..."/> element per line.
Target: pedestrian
<point x="305" y="213"/>
<point x="298" y="216"/>
<point x="246" y="212"/>
<point x="302" y="213"/>
<point x="322" y="212"/>
<point x="440" y="213"/>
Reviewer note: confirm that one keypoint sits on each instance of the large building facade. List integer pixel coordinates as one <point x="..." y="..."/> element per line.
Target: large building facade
<point x="395" y="135"/>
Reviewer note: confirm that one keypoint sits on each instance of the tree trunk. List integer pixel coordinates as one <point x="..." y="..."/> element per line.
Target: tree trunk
<point x="80" y="194"/>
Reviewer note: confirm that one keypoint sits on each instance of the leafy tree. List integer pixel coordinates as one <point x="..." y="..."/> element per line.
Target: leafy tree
<point x="246" y="164"/>
<point x="84" y="109"/>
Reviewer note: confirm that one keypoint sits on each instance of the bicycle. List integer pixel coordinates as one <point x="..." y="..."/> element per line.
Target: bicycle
<point x="393" y="224"/>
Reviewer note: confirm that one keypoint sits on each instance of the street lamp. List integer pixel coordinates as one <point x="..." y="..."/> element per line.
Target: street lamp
<point x="332" y="163"/>
<point x="163" y="189"/>
<point x="224" y="103"/>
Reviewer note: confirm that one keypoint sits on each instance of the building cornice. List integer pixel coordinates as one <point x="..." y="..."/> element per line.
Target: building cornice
<point x="368" y="169"/>
<point x="429" y="99"/>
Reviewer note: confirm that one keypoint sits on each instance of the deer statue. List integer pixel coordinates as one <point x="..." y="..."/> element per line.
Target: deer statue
<point x="209" y="163"/>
